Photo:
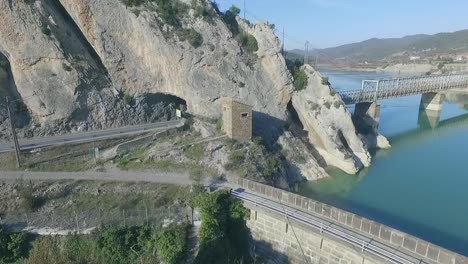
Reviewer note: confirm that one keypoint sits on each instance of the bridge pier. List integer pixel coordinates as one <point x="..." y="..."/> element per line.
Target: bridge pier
<point x="367" y="117"/>
<point x="430" y="109"/>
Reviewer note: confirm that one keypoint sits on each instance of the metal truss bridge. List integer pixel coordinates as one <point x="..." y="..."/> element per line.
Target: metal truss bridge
<point x="375" y="90"/>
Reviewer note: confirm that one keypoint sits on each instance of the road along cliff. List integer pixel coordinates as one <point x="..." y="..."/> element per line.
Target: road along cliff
<point x="78" y="65"/>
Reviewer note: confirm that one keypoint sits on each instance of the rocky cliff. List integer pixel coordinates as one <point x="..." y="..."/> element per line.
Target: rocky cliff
<point x="89" y="54"/>
<point x="329" y="125"/>
<point x="76" y="65"/>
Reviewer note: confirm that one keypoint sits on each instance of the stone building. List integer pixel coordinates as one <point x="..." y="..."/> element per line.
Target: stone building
<point x="237" y="119"/>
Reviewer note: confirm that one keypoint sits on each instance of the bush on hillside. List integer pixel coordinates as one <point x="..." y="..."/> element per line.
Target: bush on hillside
<point x="13" y="246"/>
<point x="248" y="41"/>
<point x="171" y="244"/>
<point x="192" y="36"/>
<point x="127" y="99"/>
<point x="300" y="79"/>
<point x="234" y="10"/>
<point x="132" y="3"/>
<point x="223" y="233"/>
<point x="325" y="81"/>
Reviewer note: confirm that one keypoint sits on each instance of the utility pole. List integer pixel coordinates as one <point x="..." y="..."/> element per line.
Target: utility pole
<point x="306" y="53"/>
<point x="282" y="46"/>
<point x="13" y="134"/>
<point x="244" y="9"/>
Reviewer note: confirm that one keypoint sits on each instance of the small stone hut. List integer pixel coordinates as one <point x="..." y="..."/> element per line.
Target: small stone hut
<point x="237" y="119"/>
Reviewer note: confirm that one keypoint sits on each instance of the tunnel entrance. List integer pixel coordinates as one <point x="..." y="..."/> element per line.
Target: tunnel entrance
<point x="161" y="107"/>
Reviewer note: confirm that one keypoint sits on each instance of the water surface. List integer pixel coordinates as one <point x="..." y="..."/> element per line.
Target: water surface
<point x="420" y="185"/>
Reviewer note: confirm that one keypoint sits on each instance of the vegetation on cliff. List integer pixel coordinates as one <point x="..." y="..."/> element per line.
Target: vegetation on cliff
<point x="300" y="77"/>
<point x="223" y="239"/>
<point x="223" y="234"/>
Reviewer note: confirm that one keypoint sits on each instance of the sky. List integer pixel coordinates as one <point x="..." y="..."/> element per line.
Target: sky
<point x="329" y="23"/>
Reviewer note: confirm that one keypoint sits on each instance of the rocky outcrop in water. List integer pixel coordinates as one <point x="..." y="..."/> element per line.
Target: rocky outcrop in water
<point x="328" y="123"/>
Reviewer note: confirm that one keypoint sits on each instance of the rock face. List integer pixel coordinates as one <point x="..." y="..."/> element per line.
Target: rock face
<point x="75" y="61"/>
<point x="302" y="164"/>
<point x="329" y="125"/>
<point x="79" y="65"/>
<point x="142" y="58"/>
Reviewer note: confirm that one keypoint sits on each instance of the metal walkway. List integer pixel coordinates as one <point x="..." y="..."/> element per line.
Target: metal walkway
<point x="375" y="90"/>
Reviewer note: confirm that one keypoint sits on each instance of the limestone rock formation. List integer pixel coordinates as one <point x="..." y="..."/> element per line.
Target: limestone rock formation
<point x="144" y="56"/>
<point x="302" y="163"/>
<point x="329" y="125"/>
<point x="80" y="65"/>
<point x="75" y="61"/>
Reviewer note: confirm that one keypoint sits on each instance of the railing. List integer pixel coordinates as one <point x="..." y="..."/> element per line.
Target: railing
<point x="374" y="90"/>
<point x="363" y="243"/>
<point x="357" y="224"/>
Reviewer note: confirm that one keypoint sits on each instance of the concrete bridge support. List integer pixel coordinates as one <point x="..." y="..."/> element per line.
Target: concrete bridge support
<point x="367" y="117"/>
<point x="430" y="109"/>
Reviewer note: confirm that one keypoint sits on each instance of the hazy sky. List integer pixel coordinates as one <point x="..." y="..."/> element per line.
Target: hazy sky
<point x="326" y="23"/>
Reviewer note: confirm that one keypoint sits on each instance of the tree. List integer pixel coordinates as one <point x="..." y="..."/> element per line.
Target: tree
<point x="13" y="246"/>
<point x="234" y="10"/>
<point x="171" y="244"/>
<point x="223" y="234"/>
<point x="300" y="79"/>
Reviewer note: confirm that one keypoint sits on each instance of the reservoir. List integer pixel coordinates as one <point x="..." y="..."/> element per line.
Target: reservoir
<point x="420" y="185"/>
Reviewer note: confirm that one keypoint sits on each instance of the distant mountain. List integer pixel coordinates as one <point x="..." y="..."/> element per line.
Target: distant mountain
<point x="375" y="49"/>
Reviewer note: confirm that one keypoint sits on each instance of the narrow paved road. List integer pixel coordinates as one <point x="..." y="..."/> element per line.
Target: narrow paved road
<point x="89" y="136"/>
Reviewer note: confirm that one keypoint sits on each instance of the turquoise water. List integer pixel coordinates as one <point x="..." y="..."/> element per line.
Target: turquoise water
<point x="420" y="185"/>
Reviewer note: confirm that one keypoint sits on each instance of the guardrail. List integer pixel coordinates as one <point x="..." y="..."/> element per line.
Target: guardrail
<point x="379" y="232"/>
<point x="374" y="90"/>
<point x="365" y="244"/>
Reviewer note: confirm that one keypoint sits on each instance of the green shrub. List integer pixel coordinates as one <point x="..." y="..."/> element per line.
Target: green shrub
<point x="171" y="11"/>
<point x="46" y="250"/>
<point x="248" y="41"/>
<point x="234" y="10"/>
<point x="200" y="10"/>
<point x="192" y="36"/>
<point x="127" y="99"/>
<point x="78" y="249"/>
<point x="28" y="201"/>
<point x="300" y="79"/>
<point x="195" y="152"/>
<point x="66" y="67"/>
<point x="13" y="246"/>
<point x="337" y="104"/>
<point x="121" y="245"/>
<point x="132" y="3"/>
<point x="171" y="244"/>
<point x="230" y="19"/>
<point x="45" y="30"/>
<point x="325" y="81"/>
<point x="223" y="234"/>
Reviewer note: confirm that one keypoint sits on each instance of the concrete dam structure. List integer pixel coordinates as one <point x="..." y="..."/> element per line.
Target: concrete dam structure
<point x="289" y="228"/>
